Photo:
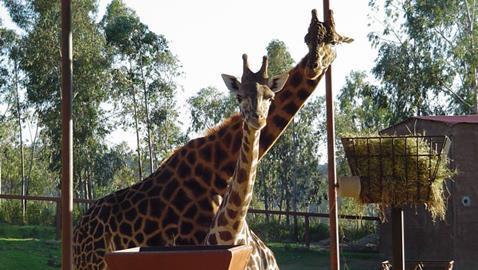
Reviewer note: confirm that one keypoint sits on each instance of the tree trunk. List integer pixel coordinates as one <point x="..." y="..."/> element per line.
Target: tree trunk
<point x="287" y="209"/>
<point x="32" y="156"/>
<point x="1" y="180"/>
<point x="266" y="197"/>
<point x="22" y="154"/>
<point x="148" y="126"/>
<point x="281" y="203"/>
<point x="475" y="89"/>
<point x="287" y="198"/>
<point x="294" y="178"/>
<point x="135" y="110"/>
<point x="473" y="69"/>
<point x="90" y="185"/>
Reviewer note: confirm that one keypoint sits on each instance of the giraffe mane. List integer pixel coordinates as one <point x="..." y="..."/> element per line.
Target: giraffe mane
<point x="234" y="118"/>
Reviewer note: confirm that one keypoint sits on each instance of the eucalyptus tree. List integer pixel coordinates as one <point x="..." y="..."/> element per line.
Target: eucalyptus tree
<point x="210" y="107"/>
<point x="427" y="64"/>
<point x="427" y="54"/>
<point x="10" y="87"/>
<point x="40" y="22"/>
<point x="145" y="69"/>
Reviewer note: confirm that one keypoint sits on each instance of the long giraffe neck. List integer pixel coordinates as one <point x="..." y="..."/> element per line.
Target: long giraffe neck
<point x="298" y="88"/>
<point x="229" y="221"/>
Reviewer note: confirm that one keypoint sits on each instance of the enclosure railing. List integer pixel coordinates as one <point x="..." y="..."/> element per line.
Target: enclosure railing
<point x="305" y="215"/>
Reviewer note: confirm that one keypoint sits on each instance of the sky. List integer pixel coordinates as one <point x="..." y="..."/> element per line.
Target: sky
<point x="209" y="36"/>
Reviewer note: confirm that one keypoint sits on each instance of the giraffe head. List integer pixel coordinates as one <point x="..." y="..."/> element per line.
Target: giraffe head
<point x="320" y="38"/>
<point x="255" y="92"/>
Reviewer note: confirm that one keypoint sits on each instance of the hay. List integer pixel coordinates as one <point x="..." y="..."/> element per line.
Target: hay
<point x="399" y="171"/>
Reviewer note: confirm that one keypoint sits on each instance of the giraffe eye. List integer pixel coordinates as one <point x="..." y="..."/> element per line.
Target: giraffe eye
<point x="239" y="98"/>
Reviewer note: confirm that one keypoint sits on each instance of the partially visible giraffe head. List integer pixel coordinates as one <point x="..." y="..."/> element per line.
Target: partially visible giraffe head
<point x="320" y="39"/>
<point x="255" y="92"/>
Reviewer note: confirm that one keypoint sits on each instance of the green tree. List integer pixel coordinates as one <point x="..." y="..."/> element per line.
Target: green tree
<point x="143" y="83"/>
<point x="40" y="21"/>
<point x="362" y="107"/>
<point x="10" y="87"/>
<point x="426" y="64"/>
<point x="427" y="53"/>
<point x="280" y="60"/>
<point x="209" y="107"/>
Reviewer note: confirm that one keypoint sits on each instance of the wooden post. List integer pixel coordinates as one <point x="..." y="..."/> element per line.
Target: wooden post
<point x="66" y="136"/>
<point x="306" y="231"/>
<point x="332" y="173"/>
<point x="398" y="239"/>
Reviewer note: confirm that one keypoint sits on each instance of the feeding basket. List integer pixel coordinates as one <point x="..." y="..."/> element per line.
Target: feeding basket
<point x="400" y="170"/>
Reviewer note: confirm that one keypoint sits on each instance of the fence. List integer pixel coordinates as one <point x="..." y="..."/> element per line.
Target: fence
<point x="305" y="215"/>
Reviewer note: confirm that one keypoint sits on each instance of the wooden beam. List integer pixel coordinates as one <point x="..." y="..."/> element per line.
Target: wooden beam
<point x="332" y="172"/>
<point x="66" y="137"/>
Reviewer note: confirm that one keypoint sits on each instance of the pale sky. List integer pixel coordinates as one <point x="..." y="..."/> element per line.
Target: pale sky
<point x="209" y="36"/>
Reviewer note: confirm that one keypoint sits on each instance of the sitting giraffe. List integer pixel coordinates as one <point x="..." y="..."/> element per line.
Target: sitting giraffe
<point x="254" y="93"/>
<point x="177" y="203"/>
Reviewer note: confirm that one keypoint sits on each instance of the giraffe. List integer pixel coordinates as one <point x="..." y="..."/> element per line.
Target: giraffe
<point x="177" y="202"/>
<point x="229" y="227"/>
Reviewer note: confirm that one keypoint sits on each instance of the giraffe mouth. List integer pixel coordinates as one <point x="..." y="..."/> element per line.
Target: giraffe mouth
<point x="256" y="123"/>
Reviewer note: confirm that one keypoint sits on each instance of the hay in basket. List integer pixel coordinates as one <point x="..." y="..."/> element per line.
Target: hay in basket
<point x="401" y="171"/>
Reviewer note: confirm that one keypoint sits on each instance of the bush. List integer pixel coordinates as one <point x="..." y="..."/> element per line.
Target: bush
<point x="11" y="212"/>
<point x="275" y="231"/>
<point x="41" y="213"/>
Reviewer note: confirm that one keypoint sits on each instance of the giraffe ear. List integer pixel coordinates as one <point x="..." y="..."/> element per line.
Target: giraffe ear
<point x="276" y="83"/>
<point x="232" y="82"/>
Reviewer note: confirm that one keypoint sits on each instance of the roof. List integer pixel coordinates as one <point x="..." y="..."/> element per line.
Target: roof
<point x="446" y="119"/>
<point x="451" y="119"/>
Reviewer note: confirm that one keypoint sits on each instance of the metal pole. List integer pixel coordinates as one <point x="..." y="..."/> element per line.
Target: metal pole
<point x="398" y="239"/>
<point x="67" y="136"/>
<point x="332" y="173"/>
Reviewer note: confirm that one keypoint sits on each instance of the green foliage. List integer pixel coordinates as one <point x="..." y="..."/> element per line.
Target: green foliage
<point x="28" y="247"/>
<point x="426" y="65"/>
<point x="275" y="231"/>
<point x="362" y="106"/>
<point x="11" y="212"/>
<point x="280" y="60"/>
<point x="40" y="65"/>
<point x="292" y="256"/>
<point x="142" y="83"/>
<point x="427" y="53"/>
<point x="32" y="247"/>
<point x="27" y="231"/>
<point x="209" y="107"/>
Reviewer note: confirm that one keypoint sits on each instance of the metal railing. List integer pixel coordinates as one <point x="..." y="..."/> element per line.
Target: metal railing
<point x="305" y="215"/>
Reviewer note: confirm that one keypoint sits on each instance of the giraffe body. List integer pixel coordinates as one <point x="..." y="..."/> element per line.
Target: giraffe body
<point x="176" y="204"/>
